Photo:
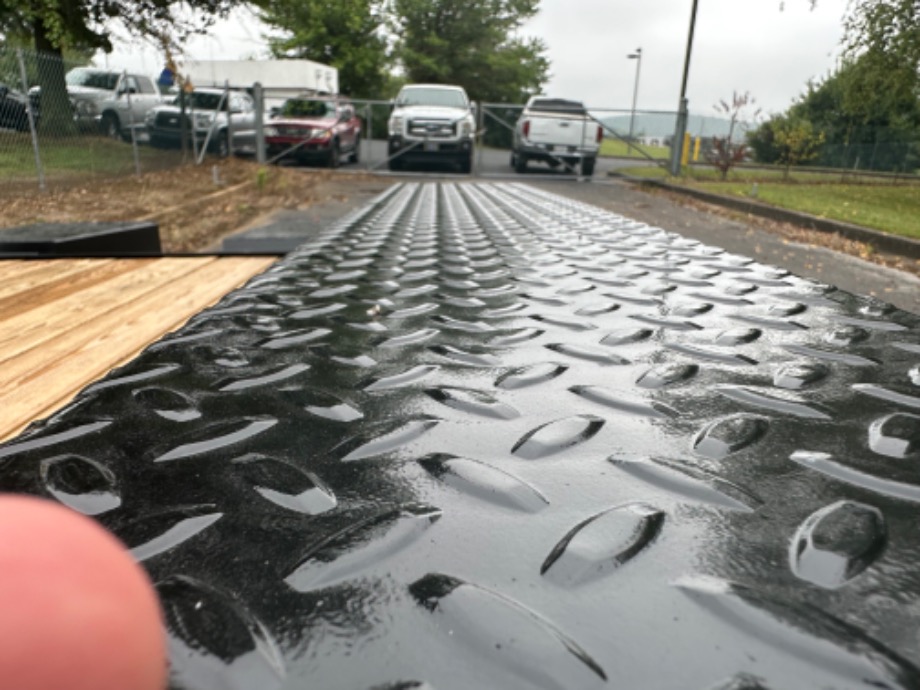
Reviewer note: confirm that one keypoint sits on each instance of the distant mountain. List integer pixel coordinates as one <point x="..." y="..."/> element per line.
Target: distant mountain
<point x="662" y="125"/>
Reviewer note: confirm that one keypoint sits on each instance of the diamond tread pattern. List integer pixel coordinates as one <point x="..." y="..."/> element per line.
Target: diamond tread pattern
<point x="479" y="435"/>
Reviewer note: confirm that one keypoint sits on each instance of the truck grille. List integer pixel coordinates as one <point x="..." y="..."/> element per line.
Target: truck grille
<point x="432" y="128"/>
<point x="171" y="121"/>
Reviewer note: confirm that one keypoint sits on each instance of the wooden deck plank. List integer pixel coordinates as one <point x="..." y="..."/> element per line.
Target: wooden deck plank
<point x="18" y="276"/>
<point x="29" y="330"/>
<point x="40" y="379"/>
<point x="60" y="285"/>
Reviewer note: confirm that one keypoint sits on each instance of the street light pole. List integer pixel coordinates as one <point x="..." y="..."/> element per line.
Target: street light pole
<point x="637" y="56"/>
<point x="677" y="144"/>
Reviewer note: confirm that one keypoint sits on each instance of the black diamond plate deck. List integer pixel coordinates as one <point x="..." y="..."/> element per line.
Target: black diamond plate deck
<point x="481" y="436"/>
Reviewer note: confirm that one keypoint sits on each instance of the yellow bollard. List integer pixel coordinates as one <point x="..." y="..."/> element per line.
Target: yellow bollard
<point x="685" y="152"/>
<point x="696" y="149"/>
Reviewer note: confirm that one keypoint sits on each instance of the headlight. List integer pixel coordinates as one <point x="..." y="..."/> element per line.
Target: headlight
<point x="204" y="120"/>
<point x="85" y="108"/>
<point x="466" y="128"/>
<point x="271" y="131"/>
<point x="321" y="134"/>
<point x="150" y="117"/>
<point x="395" y="125"/>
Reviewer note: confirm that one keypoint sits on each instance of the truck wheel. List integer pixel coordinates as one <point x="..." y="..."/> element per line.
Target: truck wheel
<point x="355" y="155"/>
<point x="520" y="163"/>
<point x="335" y="155"/>
<point x="466" y="163"/>
<point x="111" y="127"/>
<point x="222" y="146"/>
<point x="587" y="167"/>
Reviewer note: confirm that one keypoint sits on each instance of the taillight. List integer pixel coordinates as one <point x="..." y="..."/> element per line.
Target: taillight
<point x="526" y="128"/>
<point x="600" y="134"/>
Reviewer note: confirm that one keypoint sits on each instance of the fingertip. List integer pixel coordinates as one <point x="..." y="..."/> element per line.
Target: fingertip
<point x="78" y="611"/>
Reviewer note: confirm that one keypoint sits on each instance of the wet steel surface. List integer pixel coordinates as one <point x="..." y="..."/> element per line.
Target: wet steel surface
<point x="479" y="435"/>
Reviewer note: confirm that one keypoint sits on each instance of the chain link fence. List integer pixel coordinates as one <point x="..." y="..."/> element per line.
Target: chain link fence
<point x="66" y="124"/>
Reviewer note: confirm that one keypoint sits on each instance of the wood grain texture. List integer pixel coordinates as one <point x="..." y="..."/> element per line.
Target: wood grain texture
<point x="88" y="316"/>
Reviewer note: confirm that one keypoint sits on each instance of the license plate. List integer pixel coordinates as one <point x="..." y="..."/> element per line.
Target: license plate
<point x="431" y="146"/>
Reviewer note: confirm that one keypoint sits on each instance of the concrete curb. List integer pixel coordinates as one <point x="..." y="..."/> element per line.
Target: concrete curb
<point x="894" y="244"/>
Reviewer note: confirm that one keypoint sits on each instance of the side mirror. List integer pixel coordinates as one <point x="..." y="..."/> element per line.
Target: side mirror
<point x="474" y="107"/>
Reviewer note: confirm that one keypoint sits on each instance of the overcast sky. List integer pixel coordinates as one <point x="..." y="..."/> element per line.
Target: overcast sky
<point x="743" y="45"/>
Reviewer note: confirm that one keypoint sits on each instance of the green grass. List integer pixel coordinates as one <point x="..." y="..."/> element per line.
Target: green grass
<point x="892" y="208"/>
<point x="618" y="148"/>
<point x="886" y="207"/>
<point x="74" y="156"/>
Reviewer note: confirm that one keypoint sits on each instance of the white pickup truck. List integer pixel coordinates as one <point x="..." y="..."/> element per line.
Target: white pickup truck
<point x="431" y="122"/>
<point x="556" y="132"/>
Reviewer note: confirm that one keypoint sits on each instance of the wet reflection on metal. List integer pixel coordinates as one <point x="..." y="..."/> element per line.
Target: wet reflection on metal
<point x="479" y="435"/>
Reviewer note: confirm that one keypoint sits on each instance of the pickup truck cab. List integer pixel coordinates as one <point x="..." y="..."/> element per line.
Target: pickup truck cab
<point x="431" y="122"/>
<point x="557" y="132"/>
<point x="314" y="129"/>
<point x="127" y="105"/>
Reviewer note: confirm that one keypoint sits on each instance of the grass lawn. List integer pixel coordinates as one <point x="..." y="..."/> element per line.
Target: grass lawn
<point x="75" y="156"/>
<point x="886" y="207"/>
<point x="619" y="148"/>
<point x="893" y="208"/>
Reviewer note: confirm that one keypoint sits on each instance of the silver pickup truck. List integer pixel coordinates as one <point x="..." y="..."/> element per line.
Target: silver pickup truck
<point x="556" y="132"/>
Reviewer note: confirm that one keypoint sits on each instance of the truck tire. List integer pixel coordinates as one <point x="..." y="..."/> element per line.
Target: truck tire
<point x="335" y="155"/>
<point x="355" y="155"/>
<point x="222" y="144"/>
<point x="396" y="163"/>
<point x="111" y="125"/>
<point x="520" y="163"/>
<point x="587" y="166"/>
<point x="491" y="438"/>
<point x="466" y="163"/>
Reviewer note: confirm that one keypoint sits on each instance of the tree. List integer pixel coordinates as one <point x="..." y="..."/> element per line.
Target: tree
<point x="87" y="24"/>
<point x="472" y="43"/>
<point x="726" y="153"/>
<point x="796" y="140"/>
<point x="868" y="118"/>
<point x="888" y="27"/>
<point x="346" y="34"/>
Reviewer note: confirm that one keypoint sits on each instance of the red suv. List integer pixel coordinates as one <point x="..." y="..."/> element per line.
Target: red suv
<point x="314" y="129"/>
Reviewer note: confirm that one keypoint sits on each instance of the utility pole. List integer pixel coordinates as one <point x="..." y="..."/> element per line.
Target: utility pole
<point x="677" y="144"/>
<point x="637" y="56"/>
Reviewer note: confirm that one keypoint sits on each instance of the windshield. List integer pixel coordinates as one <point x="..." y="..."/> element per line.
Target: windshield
<point x="97" y="80"/>
<point x="301" y="107"/>
<point x="558" y="105"/>
<point x="205" y="101"/>
<point x="449" y="98"/>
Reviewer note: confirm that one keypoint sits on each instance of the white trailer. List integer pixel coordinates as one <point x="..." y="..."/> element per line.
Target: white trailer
<point x="274" y="75"/>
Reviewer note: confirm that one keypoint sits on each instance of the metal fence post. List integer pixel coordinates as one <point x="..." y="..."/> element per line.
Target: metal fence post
<point x="258" y="95"/>
<point x="229" y="119"/>
<point x="32" y="123"/>
<point x="137" y="159"/>
<point x="479" y="138"/>
<point x="370" y="133"/>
